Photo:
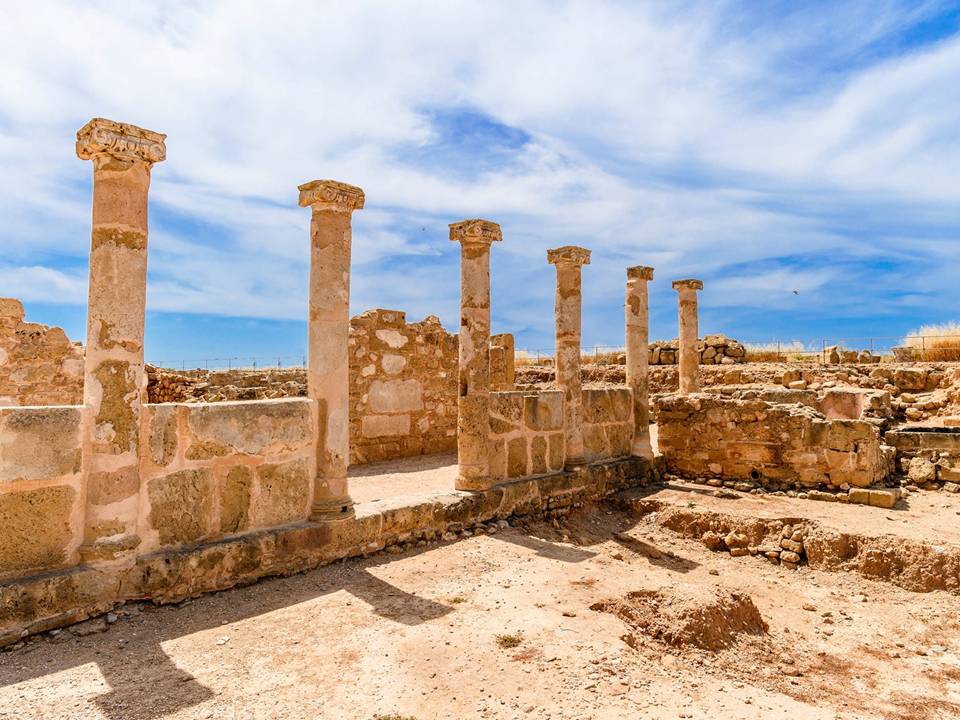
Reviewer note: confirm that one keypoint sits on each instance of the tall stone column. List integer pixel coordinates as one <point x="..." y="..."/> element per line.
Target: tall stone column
<point x="328" y="363"/>
<point x="638" y="336"/>
<point x="689" y="333"/>
<point x="473" y="401"/>
<point x="115" y="383"/>
<point x="569" y="307"/>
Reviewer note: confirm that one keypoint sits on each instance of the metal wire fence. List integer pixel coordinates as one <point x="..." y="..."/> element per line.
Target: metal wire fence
<point x="911" y="347"/>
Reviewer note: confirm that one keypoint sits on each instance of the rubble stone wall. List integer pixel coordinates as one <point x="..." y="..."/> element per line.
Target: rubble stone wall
<point x="217" y="469"/>
<point x="774" y="446"/>
<point x="929" y="457"/>
<point x="403" y="390"/>
<point x="607" y="423"/>
<point x="38" y="364"/>
<point x="40" y="488"/>
<point x="526" y="433"/>
<point x="711" y="350"/>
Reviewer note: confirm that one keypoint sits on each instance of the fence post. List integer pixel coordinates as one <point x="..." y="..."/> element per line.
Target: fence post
<point x="778" y="351"/>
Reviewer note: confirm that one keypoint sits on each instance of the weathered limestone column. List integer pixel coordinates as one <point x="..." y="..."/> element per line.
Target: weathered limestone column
<point x="328" y="364"/>
<point x="473" y="401"/>
<point x="115" y="382"/>
<point x="638" y="335"/>
<point x="569" y="305"/>
<point x="689" y="333"/>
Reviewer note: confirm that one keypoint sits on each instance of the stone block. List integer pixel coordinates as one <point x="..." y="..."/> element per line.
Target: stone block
<point x="39" y="443"/>
<point x="35" y="529"/>
<point x="517" y="458"/>
<point x="251" y="428"/>
<point x="886" y="498"/>
<point x="284" y="493"/>
<point x="235" y="499"/>
<point x="181" y="506"/>
<point x="376" y="426"/>
<point x="395" y="396"/>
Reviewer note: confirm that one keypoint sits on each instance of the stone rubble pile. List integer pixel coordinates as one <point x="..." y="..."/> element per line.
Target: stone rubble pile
<point x="780" y="547"/>
<point x="712" y="350"/>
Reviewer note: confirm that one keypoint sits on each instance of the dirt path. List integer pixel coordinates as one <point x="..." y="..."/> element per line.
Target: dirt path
<point x="417" y="634"/>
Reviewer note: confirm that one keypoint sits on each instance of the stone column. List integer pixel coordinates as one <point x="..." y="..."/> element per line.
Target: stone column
<point x="689" y="333"/>
<point x="473" y="401"/>
<point x="638" y="335"/>
<point x="569" y="301"/>
<point x="328" y="364"/>
<point x="115" y="382"/>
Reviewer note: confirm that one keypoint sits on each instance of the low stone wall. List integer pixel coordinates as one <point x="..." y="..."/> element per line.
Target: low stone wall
<point x="218" y="469"/>
<point x="38" y="364"/>
<point x="47" y="600"/>
<point x="403" y="387"/>
<point x="607" y="423"/>
<point x="929" y="457"/>
<point x="526" y="433"/>
<point x="40" y="488"/>
<point x="774" y="446"/>
<point x="712" y="350"/>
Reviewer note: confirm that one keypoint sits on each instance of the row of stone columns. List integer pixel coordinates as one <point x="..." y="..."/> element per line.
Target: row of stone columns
<point x="115" y="378"/>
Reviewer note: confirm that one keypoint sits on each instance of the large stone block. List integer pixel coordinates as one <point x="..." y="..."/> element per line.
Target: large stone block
<point x="251" y="428"/>
<point x="35" y="530"/>
<point x="181" y="506"/>
<point x="39" y="443"/>
<point x="375" y="426"/>
<point x="395" y="396"/>
<point x="284" y="493"/>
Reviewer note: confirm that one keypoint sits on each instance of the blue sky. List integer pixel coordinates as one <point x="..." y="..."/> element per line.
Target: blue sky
<point x="766" y="148"/>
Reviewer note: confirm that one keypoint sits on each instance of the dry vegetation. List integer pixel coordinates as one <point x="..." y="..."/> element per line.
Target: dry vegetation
<point x="935" y="343"/>
<point x="780" y="352"/>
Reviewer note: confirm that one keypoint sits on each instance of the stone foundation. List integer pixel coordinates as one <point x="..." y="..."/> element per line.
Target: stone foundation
<point x="46" y="600"/>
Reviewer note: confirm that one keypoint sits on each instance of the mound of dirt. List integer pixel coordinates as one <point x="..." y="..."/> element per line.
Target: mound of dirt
<point x="709" y="619"/>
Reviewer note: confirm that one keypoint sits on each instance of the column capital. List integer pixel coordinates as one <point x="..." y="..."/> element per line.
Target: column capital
<point x="331" y="195"/>
<point x="121" y="141"/>
<point x="640" y="272"/>
<point x="568" y="255"/>
<point x="689" y="284"/>
<point x="483" y="232"/>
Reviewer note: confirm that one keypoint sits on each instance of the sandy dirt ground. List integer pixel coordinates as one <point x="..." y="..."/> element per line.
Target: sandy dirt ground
<point x="529" y="622"/>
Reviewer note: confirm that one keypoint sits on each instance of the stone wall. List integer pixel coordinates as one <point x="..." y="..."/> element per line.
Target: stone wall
<point x="502" y="362"/>
<point x="607" y="423"/>
<point x="712" y="350"/>
<point x="403" y="379"/>
<point x="38" y="364"/>
<point x="928" y="456"/>
<point x="40" y="488"/>
<point x="526" y="433"/>
<point x="774" y="446"/>
<point x="219" y="469"/>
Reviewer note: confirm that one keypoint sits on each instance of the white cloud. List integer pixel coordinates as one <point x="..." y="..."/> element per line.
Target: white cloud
<point x="676" y="135"/>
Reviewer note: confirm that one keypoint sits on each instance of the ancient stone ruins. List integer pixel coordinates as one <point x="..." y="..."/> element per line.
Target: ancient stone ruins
<point x="120" y="482"/>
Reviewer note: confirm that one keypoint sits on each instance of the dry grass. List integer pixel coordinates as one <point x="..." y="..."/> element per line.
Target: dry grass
<point x="935" y="342"/>
<point x="509" y="641"/>
<point x="525" y="357"/>
<point x="779" y="352"/>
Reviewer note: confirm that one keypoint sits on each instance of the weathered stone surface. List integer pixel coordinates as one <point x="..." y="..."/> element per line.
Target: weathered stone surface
<point x="181" y="506"/>
<point x="284" y="488"/>
<point x="235" y="499"/>
<point x="251" y="428"/>
<point x="776" y="445"/>
<point x="35" y="530"/>
<point x="39" y="443"/>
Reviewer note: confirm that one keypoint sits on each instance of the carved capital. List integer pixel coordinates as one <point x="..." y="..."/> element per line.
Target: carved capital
<point x="640" y="272"/>
<point x="331" y="195"/>
<point x="568" y="255"/>
<point x="475" y="231"/>
<point x="121" y="141"/>
<point x="690" y="284"/>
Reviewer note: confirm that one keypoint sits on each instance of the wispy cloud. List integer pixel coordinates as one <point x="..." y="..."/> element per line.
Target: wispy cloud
<point x="716" y="140"/>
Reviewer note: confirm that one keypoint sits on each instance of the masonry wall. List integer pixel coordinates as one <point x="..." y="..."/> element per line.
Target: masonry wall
<point x="403" y="387"/>
<point x="38" y="364"/>
<point x="775" y="446"/>
<point x="40" y="488"/>
<point x="218" y="469"/>
<point x="526" y="433"/>
<point x="607" y="423"/>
